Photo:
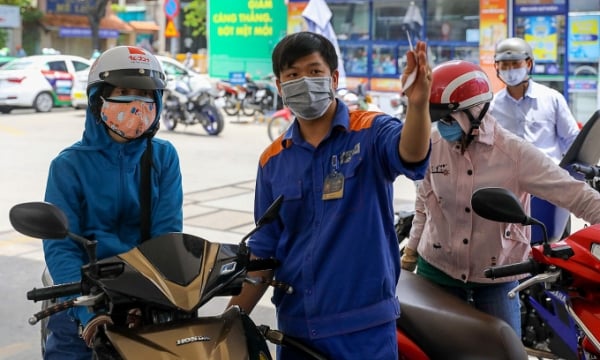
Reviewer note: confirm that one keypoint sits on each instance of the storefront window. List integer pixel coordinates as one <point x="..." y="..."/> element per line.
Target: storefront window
<point x="392" y="19"/>
<point x="355" y="59"/>
<point x="384" y="60"/>
<point x="545" y="35"/>
<point x="456" y="20"/>
<point x="351" y="20"/>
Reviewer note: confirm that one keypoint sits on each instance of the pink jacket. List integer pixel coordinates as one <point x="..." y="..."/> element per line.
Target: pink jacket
<point x="451" y="237"/>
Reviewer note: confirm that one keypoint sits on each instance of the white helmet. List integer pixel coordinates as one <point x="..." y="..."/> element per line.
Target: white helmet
<point x="127" y="67"/>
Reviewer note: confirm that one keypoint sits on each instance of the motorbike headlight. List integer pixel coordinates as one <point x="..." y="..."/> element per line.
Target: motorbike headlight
<point x="595" y="250"/>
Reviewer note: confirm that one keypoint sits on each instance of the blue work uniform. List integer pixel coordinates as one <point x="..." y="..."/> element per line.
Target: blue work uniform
<point x="340" y="254"/>
<point x="96" y="183"/>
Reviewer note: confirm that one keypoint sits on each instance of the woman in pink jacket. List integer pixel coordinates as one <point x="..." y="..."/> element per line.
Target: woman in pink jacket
<point x="449" y="244"/>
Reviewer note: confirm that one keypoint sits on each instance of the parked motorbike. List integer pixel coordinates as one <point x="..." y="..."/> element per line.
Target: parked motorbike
<point x="232" y="96"/>
<point x="547" y="329"/>
<point x="261" y="96"/>
<point x="182" y="104"/>
<point x="279" y="122"/>
<point x="569" y="269"/>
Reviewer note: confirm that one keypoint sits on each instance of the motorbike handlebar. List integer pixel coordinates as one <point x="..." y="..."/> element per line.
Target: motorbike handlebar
<point x="53" y="292"/>
<point x="525" y="267"/>
<point x="589" y="172"/>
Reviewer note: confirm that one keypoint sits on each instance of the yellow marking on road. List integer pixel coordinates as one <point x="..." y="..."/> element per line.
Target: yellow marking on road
<point x="11" y="130"/>
<point x="9" y="351"/>
<point x="21" y="246"/>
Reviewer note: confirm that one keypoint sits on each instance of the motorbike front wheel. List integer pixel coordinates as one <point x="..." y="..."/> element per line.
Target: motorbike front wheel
<point x="169" y="119"/>
<point x="232" y="105"/>
<point x="277" y="126"/>
<point x="248" y="108"/>
<point x="211" y="119"/>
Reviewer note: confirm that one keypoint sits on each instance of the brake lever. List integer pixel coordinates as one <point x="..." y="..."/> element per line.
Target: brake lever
<point x="288" y="289"/>
<point x="88" y="300"/>
<point x="546" y="277"/>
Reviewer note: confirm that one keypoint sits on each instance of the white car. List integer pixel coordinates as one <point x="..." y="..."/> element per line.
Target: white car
<point x="79" y="90"/>
<point x="39" y="81"/>
<point x="175" y="70"/>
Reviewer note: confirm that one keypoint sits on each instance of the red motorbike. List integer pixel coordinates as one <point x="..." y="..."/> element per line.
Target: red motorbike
<point x="569" y="268"/>
<point x="279" y="122"/>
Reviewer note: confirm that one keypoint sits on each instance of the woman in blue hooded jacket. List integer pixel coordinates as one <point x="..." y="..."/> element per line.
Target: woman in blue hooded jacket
<point x="97" y="182"/>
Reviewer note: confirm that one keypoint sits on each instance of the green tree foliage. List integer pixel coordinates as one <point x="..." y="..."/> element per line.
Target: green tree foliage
<point x="195" y="17"/>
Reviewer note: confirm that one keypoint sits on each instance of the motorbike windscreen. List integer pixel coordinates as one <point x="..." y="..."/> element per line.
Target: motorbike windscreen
<point x="177" y="256"/>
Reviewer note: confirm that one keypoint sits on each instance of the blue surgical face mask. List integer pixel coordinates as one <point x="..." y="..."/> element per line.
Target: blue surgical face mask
<point x="450" y="131"/>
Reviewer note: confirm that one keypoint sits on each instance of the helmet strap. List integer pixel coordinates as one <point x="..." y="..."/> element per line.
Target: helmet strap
<point x="475" y="123"/>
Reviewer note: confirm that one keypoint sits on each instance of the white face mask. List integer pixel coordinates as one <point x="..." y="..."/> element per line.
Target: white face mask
<point x="308" y="97"/>
<point x="513" y="77"/>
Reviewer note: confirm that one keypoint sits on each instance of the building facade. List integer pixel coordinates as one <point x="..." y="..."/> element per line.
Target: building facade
<point x="374" y="36"/>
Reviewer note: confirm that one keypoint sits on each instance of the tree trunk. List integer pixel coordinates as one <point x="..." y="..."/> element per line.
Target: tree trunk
<point x="97" y="11"/>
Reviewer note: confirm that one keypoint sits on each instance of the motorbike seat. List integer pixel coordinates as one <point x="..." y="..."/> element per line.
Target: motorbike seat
<point x="445" y="327"/>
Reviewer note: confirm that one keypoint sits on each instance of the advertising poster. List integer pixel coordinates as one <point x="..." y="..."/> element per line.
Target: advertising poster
<point x="583" y="43"/>
<point x="542" y="35"/>
<point x="242" y="35"/>
<point x="492" y="28"/>
<point x="296" y="22"/>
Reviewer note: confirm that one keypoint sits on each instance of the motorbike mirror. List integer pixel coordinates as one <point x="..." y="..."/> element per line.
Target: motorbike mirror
<point x="499" y="204"/>
<point x="271" y="213"/>
<point x="269" y="216"/>
<point x="40" y="220"/>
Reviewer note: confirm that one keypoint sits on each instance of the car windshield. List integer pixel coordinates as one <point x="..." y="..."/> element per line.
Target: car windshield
<point x="18" y="64"/>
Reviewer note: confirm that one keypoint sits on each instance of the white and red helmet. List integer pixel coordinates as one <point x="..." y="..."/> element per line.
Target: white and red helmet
<point x="457" y="85"/>
<point x="127" y="67"/>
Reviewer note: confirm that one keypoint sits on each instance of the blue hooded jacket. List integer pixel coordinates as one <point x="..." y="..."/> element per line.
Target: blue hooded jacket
<point x="96" y="182"/>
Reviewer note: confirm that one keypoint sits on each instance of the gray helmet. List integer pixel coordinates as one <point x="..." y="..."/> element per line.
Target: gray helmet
<point x="513" y="49"/>
<point x="127" y="67"/>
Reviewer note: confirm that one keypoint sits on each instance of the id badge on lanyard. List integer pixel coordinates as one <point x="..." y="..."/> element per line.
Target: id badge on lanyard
<point x="333" y="187"/>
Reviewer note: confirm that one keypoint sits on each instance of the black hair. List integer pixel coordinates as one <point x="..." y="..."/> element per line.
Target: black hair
<point x="300" y="44"/>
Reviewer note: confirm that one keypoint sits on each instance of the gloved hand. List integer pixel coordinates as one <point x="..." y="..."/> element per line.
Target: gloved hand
<point x="90" y="330"/>
<point x="409" y="259"/>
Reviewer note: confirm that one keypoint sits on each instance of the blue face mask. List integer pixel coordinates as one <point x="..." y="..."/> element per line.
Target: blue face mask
<point x="450" y="132"/>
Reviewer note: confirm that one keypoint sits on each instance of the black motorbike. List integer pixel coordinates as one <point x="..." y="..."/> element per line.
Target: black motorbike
<point x="261" y="96"/>
<point x="183" y="105"/>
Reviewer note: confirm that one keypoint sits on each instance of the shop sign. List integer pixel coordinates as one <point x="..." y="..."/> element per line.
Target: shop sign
<point x="10" y="16"/>
<point x="536" y="7"/>
<point x="73" y="7"/>
<point x="75" y="32"/>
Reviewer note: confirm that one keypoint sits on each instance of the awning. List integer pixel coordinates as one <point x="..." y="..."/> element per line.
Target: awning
<point x="144" y="26"/>
<point x="109" y="22"/>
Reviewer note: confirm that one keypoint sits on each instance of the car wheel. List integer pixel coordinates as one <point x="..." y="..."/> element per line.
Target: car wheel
<point x="43" y="102"/>
<point x="5" y="109"/>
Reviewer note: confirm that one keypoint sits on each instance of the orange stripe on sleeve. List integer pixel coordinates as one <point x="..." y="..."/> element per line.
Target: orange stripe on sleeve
<point x="273" y="149"/>
<point x="360" y="119"/>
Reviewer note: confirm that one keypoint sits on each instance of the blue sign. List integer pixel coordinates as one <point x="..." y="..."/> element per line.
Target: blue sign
<point x="237" y="77"/>
<point x="74" y="32"/>
<point x="171" y="8"/>
<point x="73" y="7"/>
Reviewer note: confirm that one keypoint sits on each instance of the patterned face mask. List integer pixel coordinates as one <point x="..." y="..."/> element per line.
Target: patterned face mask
<point x="130" y="116"/>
